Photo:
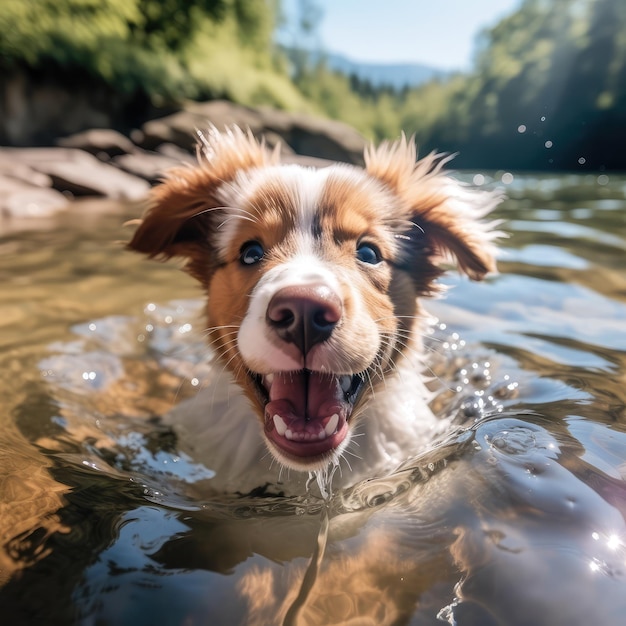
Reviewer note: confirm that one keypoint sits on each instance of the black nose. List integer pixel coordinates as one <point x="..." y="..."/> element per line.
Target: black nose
<point x="304" y="314"/>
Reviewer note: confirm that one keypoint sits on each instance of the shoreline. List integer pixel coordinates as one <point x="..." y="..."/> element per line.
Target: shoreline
<point x="40" y="182"/>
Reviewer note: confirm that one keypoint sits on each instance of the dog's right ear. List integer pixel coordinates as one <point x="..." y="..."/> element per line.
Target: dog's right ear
<point x="183" y="211"/>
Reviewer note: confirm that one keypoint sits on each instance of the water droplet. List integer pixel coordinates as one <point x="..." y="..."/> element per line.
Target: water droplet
<point x="548" y="144"/>
<point x="521" y="128"/>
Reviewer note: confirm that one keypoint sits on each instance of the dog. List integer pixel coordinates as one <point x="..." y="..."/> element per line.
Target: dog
<point x="314" y="279"/>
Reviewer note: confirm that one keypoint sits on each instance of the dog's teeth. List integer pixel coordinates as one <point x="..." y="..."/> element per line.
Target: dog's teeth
<point x="331" y="427"/>
<point x="268" y="379"/>
<point x="346" y="383"/>
<point x="279" y="424"/>
<point x="287" y="433"/>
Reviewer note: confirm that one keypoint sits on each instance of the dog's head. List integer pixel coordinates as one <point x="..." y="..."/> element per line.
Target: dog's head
<point x="313" y="275"/>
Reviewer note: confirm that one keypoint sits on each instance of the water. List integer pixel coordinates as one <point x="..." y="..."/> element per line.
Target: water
<point x="516" y="517"/>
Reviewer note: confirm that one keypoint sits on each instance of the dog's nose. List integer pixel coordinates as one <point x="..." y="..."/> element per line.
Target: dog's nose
<point x="304" y="314"/>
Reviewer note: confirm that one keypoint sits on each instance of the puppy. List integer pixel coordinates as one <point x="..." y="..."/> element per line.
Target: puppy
<point x="313" y="280"/>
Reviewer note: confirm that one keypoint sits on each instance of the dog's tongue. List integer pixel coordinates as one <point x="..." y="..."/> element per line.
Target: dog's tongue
<point x="306" y="415"/>
<point x="312" y="396"/>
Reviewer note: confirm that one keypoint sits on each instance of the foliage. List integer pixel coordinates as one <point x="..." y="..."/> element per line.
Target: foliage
<point x="548" y="91"/>
<point x="167" y="49"/>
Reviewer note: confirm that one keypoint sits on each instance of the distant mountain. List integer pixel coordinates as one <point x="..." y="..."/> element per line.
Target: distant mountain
<point x="397" y="75"/>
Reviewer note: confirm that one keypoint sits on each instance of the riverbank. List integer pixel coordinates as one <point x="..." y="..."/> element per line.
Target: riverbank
<point x="42" y="181"/>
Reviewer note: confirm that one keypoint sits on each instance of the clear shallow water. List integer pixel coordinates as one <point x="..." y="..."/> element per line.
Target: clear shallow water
<point x="517" y="517"/>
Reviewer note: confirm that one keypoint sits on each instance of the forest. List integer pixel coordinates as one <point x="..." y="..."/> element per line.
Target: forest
<point x="547" y="90"/>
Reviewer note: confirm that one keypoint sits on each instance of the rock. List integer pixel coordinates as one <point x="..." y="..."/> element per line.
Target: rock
<point x="19" y="199"/>
<point x="38" y="182"/>
<point x="178" y="128"/>
<point x="148" y="165"/>
<point x="79" y="172"/>
<point x="304" y="134"/>
<point x="10" y="168"/>
<point x="174" y="152"/>
<point x="99" y="141"/>
<point x="223" y="113"/>
<point x="39" y="105"/>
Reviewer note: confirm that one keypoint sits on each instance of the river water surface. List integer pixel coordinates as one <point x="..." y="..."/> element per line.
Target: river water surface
<point x="516" y="517"/>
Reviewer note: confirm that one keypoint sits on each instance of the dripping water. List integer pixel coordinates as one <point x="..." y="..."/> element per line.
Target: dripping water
<point x="324" y="479"/>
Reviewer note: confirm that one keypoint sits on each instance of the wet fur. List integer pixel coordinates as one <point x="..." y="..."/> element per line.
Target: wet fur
<point x="419" y="218"/>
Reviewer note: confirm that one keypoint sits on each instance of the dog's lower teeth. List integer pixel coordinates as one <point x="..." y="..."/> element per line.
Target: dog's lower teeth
<point x="331" y="426"/>
<point x="279" y="424"/>
<point x="268" y="379"/>
<point x="329" y="430"/>
<point x="346" y="383"/>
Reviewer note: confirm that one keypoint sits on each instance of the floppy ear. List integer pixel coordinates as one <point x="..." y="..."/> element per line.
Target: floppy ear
<point x="181" y="216"/>
<point x="444" y="215"/>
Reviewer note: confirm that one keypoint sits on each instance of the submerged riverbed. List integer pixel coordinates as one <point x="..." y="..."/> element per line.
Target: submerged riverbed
<point x="516" y="517"/>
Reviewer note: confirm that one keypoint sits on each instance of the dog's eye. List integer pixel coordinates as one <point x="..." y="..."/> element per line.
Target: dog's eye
<point x="368" y="253"/>
<point x="251" y="252"/>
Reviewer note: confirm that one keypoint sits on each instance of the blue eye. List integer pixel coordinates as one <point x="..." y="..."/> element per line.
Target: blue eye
<point x="368" y="253"/>
<point x="251" y="252"/>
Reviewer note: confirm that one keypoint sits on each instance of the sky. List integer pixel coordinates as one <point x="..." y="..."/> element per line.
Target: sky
<point x="439" y="33"/>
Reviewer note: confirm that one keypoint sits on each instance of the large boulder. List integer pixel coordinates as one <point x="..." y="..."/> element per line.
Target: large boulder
<point x="78" y="172"/>
<point x="103" y="162"/>
<point x="25" y="192"/>
<point x="303" y="134"/>
<point x="151" y="165"/>
<point x="102" y="142"/>
<point x="18" y="199"/>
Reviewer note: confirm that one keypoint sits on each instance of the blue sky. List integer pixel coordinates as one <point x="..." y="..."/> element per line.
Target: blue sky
<point x="434" y="32"/>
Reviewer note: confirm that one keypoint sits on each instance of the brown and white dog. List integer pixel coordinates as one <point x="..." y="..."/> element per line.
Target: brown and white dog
<point x="313" y="278"/>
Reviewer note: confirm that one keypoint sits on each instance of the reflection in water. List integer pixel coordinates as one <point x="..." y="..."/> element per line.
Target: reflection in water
<point x="516" y="517"/>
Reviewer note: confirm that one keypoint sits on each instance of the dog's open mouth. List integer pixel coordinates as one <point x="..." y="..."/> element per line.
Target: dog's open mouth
<point x="307" y="413"/>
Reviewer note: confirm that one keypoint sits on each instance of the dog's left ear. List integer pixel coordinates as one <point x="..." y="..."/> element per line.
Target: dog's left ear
<point x="442" y="217"/>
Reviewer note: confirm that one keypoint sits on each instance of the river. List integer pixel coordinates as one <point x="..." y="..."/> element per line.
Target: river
<point x="516" y="517"/>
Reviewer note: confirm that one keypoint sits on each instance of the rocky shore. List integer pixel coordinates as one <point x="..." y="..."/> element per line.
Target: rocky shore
<point x="41" y="181"/>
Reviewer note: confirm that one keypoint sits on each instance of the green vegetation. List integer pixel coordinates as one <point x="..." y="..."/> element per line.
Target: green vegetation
<point x="548" y="89"/>
<point x="548" y="92"/>
<point x="167" y="49"/>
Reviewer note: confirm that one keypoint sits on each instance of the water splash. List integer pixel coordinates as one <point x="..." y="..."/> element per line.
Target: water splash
<point x="324" y="479"/>
<point x="446" y="614"/>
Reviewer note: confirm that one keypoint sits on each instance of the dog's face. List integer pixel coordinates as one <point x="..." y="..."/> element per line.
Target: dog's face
<point x="313" y="276"/>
